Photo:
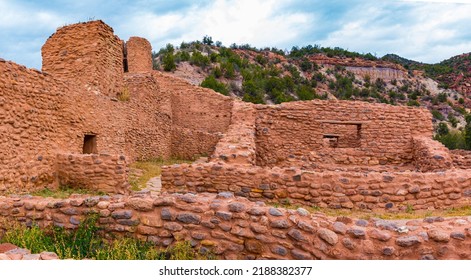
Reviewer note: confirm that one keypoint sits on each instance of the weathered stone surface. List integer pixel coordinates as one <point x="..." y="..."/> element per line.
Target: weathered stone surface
<point x="253" y="246"/>
<point x="236" y="207"/>
<point x="407" y="241"/>
<point x="438" y="235"/>
<point x="328" y="236"/>
<point x="140" y="204"/>
<point x="256" y="211"/>
<point x="279" y="250"/>
<point x="356" y="232"/>
<point x="275" y="212"/>
<point x="280" y="223"/>
<point x="121" y="214"/>
<point x="300" y="255"/>
<point x="166" y="214"/>
<point x="379" y="235"/>
<point x="48" y="256"/>
<point x="226" y="216"/>
<point x="189" y="218"/>
<point x="339" y="227"/>
<point x="297" y="235"/>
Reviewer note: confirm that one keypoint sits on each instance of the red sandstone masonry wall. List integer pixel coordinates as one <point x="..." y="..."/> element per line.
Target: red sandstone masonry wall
<point x="235" y="228"/>
<point x="461" y="158"/>
<point x="296" y="130"/>
<point x="333" y="189"/>
<point x="98" y="172"/>
<point x="31" y="123"/>
<point x="88" y="55"/>
<point x="139" y="55"/>
<point x="431" y="155"/>
<point x="196" y="112"/>
<point x="238" y="144"/>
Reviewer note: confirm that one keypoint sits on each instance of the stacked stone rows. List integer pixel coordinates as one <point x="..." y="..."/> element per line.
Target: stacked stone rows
<point x="235" y="228"/>
<point x="333" y="189"/>
<point x="11" y="252"/>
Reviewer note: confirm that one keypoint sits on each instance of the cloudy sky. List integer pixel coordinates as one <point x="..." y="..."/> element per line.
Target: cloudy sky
<point x="427" y="31"/>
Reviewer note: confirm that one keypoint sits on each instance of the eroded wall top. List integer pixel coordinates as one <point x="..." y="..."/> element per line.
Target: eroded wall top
<point x="138" y="55"/>
<point x="87" y="54"/>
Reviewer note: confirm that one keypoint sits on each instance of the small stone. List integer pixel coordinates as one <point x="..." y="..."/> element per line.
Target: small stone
<point x="387" y="225"/>
<point x="305" y="226"/>
<point x="428" y="257"/>
<point x="256" y="211"/>
<point x="274" y="212"/>
<point x="166" y="214"/>
<point x="300" y="255"/>
<point x="328" y="236"/>
<point x="128" y="222"/>
<point x="140" y="204"/>
<point x="4" y="257"/>
<point x="70" y="211"/>
<point x="188" y="198"/>
<point x="279" y="250"/>
<point x="303" y="212"/>
<point x="344" y="219"/>
<point x="257" y="228"/>
<point x="189" y="218"/>
<point x="171" y="226"/>
<point x="208" y="243"/>
<point x="31" y="257"/>
<point x="198" y="235"/>
<point x="225" y="195"/>
<point x="438" y="235"/>
<point x="48" y="256"/>
<point x="121" y="214"/>
<point x="356" y="232"/>
<point x="103" y="204"/>
<point x="236" y="207"/>
<point x="339" y="227"/>
<point x="226" y="216"/>
<point x="388" y="251"/>
<point x="379" y="235"/>
<point x="279" y="224"/>
<point x="91" y="201"/>
<point x="402" y="229"/>
<point x="348" y="243"/>
<point x="407" y="241"/>
<point x="297" y="235"/>
<point x="253" y="246"/>
<point x="5" y="247"/>
<point x="74" y="220"/>
<point x="458" y="235"/>
<point x="361" y="223"/>
<point x="165" y="201"/>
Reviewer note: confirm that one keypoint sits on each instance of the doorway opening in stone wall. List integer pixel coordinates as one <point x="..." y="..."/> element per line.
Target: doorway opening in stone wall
<point x="90" y="144"/>
<point x="342" y="134"/>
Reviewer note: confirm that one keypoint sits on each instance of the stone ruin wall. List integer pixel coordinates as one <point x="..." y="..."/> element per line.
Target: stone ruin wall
<point x="48" y="113"/>
<point x="379" y="191"/>
<point x="138" y="55"/>
<point x="461" y="158"/>
<point x="200" y="116"/>
<point x="88" y="55"/>
<point x="235" y="228"/>
<point x="301" y="130"/>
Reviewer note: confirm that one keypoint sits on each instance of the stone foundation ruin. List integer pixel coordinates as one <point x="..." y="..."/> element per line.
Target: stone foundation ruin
<point x="97" y="106"/>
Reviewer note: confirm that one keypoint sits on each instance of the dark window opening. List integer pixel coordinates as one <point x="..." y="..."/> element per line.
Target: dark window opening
<point x="342" y="134"/>
<point x="125" y="58"/>
<point x="89" y="144"/>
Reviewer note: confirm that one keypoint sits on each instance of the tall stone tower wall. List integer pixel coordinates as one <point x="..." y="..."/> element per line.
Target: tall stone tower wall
<point x="139" y="55"/>
<point x="89" y="54"/>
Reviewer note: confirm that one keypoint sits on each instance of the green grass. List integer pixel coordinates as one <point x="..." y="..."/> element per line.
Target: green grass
<point x="64" y="192"/>
<point x="150" y="169"/>
<point x="408" y="214"/>
<point x="86" y="242"/>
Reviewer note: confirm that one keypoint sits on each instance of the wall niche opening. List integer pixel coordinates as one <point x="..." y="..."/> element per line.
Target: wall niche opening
<point x="89" y="144"/>
<point x="342" y="134"/>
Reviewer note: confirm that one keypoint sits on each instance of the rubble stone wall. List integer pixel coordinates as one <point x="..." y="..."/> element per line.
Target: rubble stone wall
<point x="139" y="55"/>
<point x="236" y="228"/>
<point x="461" y="158"/>
<point x="333" y="189"/>
<point x="88" y="55"/>
<point x="98" y="172"/>
<point x="303" y="130"/>
<point x="431" y="155"/>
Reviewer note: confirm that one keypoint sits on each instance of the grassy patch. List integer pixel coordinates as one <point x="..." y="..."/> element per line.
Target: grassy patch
<point x="150" y="169"/>
<point x="64" y="192"/>
<point x="86" y="242"/>
<point x="407" y="214"/>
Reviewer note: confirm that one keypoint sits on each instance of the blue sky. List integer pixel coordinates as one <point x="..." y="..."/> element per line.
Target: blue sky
<point x="427" y="31"/>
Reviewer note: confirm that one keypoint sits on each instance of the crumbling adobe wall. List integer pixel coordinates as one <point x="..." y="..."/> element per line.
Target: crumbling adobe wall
<point x="461" y="158"/>
<point x="88" y="55"/>
<point x="98" y="172"/>
<point x="431" y="155"/>
<point x="238" y="144"/>
<point x="148" y="118"/>
<point x="139" y="55"/>
<point x="197" y="114"/>
<point x="302" y="130"/>
<point x="32" y="117"/>
<point x="333" y="189"/>
<point x="235" y="228"/>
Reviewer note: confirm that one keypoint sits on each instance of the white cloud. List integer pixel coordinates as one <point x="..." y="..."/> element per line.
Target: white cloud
<point x="429" y="35"/>
<point x="260" y="23"/>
